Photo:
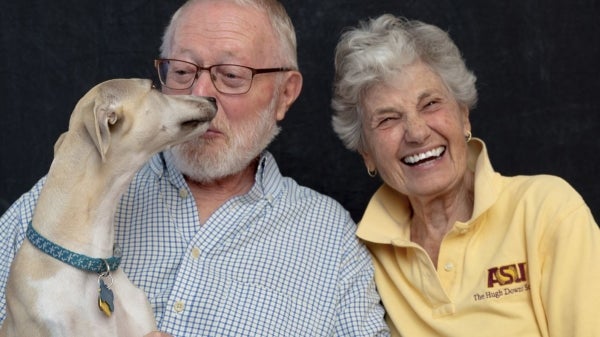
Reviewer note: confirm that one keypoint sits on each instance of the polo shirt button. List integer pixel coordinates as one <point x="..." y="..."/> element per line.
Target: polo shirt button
<point x="449" y="266"/>
<point x="178" y="306"/>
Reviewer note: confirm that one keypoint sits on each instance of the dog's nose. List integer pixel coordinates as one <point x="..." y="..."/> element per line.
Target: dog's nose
<point x="212" y="100"/>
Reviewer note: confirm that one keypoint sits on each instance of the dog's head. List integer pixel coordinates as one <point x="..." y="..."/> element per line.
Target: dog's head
<point x="130" y="116"/>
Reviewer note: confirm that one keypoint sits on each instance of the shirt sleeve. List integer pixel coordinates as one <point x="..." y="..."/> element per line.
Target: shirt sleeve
<point x="13" y="224"/>
<point x="360" y="312"/>
<point x="570" y="269"/>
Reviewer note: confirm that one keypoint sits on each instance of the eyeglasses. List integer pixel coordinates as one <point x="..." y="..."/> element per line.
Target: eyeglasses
<point x="227" y="78"/>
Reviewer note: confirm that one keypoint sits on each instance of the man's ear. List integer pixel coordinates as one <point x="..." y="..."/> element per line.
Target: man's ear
<point x="289" y="92"/>
<point x="98" y="121"/>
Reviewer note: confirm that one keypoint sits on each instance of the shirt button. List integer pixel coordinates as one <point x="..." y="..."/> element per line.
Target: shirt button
<point x="449" y="266"/>
<point x="178" y="306"/>
<point x="195" y="253"/>
<point x="183" y="193"/>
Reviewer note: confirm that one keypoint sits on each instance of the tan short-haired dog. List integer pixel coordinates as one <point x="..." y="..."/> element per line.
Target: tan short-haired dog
<point x="65" y="280"/>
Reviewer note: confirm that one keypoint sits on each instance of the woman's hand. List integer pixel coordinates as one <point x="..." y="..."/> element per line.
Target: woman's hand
<point x="158" y="334"/>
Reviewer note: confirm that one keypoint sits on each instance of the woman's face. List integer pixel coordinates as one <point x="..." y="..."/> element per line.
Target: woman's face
<point x="414" y="133"/>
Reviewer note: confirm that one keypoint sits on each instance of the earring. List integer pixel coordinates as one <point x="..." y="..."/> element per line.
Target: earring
<point x="373" y="173"/>
<point x="468" y="136"/>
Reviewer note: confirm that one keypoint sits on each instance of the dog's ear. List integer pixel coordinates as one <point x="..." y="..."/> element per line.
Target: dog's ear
<point x="98" y="127"/>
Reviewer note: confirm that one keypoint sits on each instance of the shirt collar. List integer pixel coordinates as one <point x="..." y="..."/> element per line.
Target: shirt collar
<point x="267" y="181"/>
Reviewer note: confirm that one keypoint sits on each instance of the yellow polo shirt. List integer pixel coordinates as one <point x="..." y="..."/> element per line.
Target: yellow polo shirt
<point x="526" y="264"/>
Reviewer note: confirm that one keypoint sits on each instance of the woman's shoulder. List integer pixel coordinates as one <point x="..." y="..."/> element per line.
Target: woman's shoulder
<point x="543" y="184"/>
<point x="541" y="193"/>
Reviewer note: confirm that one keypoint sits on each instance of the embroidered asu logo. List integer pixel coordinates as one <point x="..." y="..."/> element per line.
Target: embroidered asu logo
<point x="509" y="274"/>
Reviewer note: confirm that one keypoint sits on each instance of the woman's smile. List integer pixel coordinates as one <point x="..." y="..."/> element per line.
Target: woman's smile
<point x="419" y="158"/>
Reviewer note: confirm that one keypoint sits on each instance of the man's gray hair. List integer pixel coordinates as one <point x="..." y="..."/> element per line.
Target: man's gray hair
<point x="280" y="21"/>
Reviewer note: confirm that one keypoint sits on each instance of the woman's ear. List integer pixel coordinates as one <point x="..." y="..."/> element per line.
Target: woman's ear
<point x="289" y="92"/>
<point x="466" y="120"/>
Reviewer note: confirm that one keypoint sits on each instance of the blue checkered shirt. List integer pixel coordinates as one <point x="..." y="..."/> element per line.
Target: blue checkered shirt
<point x="281" y="260"/>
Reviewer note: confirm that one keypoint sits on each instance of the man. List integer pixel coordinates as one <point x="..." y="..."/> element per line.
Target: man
<point x="221" y="243"/>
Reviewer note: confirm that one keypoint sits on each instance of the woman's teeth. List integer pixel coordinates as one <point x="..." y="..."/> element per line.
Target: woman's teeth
<point x="425" y="156"/>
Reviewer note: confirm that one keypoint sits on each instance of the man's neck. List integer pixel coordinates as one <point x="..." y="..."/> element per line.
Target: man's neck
<point x="209" y="196"/>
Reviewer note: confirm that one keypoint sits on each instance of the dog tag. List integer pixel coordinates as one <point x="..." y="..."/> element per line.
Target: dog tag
<point x="105" y="298"/>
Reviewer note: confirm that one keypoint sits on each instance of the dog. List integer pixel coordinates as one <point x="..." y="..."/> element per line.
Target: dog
<point x="113" y="130"/>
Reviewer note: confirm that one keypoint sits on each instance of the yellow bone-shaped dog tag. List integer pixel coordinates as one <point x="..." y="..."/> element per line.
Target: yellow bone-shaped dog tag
<point x="105" y="298"/>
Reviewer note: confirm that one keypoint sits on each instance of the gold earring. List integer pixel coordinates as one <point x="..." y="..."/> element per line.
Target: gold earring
<point x="468" y="136"/>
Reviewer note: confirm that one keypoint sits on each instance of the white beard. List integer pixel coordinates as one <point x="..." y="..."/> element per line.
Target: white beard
<point x="201" y="161"/>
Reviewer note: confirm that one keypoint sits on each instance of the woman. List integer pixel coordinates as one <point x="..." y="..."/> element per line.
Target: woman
<point x="459" y="249"/>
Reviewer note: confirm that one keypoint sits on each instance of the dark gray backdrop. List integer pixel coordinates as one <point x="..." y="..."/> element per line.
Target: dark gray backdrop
<point x="537" y="64"/>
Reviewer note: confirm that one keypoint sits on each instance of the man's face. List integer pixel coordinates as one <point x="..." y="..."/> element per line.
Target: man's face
<point x="223" y="33"/>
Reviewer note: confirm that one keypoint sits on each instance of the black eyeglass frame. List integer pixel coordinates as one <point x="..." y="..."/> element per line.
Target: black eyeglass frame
<point x="255" y="71"/>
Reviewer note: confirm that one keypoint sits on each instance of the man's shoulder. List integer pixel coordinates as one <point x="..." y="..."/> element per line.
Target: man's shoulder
<point x="308" y="192"/>
<point x="293" y="194"/>
<point x="311" y="200"/>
